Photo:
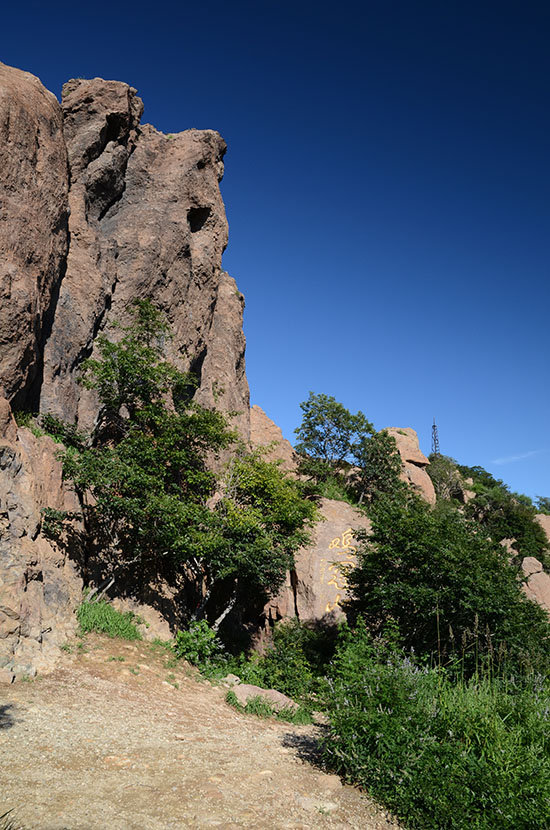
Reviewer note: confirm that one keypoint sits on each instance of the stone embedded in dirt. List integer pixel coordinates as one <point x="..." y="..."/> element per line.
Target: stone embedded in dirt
<point x="317" y="587"/>
<point x="414" y="462"/>
<point x="265" y="433"/>
<point x="277" y="700"/>
<point x="33" y="223"/>
<point x="231" y="680"/>
<point x="6" y="676"/>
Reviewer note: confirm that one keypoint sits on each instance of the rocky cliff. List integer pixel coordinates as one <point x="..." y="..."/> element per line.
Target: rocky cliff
<point x="96" y="210"/>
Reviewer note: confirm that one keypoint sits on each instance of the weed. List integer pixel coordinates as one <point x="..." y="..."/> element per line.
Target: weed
<point x="8" y="822"/>
<point x="67" y="647"/>
<point x="116" y="659"/>
<point x="102" y="617"/>
<point x="134" y="670"/>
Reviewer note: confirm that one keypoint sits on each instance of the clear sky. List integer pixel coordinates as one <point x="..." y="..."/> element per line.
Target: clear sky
<point x="387" y="188"/>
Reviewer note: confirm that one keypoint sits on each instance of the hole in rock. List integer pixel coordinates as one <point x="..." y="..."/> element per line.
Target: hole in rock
<point x="197" y="217"/>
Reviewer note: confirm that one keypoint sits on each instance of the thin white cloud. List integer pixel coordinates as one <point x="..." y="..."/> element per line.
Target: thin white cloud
<point x="509" y="459"/>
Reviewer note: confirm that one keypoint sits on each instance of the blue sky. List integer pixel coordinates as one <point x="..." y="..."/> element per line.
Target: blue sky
<point x="387" y="188"/>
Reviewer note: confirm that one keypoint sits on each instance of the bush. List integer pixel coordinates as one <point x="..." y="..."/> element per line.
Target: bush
<point x="449" y="589"/>
<point x="198" y="645"/>
<point x="103" y="618"/>
<point x="440" y="755"/>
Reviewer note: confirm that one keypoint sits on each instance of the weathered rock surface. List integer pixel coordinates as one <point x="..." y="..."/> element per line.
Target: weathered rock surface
<point x="317" y="587"/>
<point x="537" y="585"/>
<point x="544" y="522"/>
<point x="39" y="586"/>
<point x="414" y="462"/>
<point x="265" y="433"/>
<point x="33" y="223"/>
<point x="147" y="220"/>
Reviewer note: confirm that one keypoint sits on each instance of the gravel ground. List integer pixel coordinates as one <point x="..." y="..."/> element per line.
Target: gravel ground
<point x="108" y="741"/>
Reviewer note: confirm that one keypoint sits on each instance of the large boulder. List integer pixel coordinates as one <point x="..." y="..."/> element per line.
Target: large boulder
<point x="317" y="587"/>
<point x="40" y="585"/>
<point x="414" y="462"/>
<point x="33" y="224"/>
<point x="537" y="582"/>
<point x="147" y="221"/>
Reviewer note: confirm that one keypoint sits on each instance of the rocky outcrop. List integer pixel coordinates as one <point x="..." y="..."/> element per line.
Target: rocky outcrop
<point x="147" y="220"/>
<point x="414" y="462"/>
<point x="265" y="433"/>
<point x="537" y="582"/>
<point x="317" y="586"/>
<point x="33" y="224"/>
<point x="39" y="585"/>
<point x="544" y="521"/>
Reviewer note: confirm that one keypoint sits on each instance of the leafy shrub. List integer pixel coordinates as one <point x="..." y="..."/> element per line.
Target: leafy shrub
<point x="449" y="589"/>
<point x="441" y="755"/>
<point x="198" y="645"/>
<point x="294" y="663"/>
<point x="102" y="617"/>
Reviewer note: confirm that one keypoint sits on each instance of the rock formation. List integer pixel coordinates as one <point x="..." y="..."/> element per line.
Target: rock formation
<point x="39" y="585"/>
<point x="265" y="433"/>
<point x="537" y="582"/>
<point x="316" y="588"/>
<point x="414" y="462"/>
<point x="34" y="185"/>
<point x="146" y="221"/>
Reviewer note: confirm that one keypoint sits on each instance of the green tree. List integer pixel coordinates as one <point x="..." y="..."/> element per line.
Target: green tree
<point x="153" y="500"/>
<point x="328" y="435"/>
<point x="447" y="587"/>
<point x="377" y="467"/>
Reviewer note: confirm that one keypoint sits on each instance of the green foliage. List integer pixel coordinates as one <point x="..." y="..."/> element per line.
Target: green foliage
<point x="440" y="754"/>
<point x="199" y="644"/>
<point x="261" y="519"/>
<point x="506" y="515"/>
<point x="377" y="466"/>
<point x="327" y="435"/>
<point x="28" y="420"/>
<point x="148" y="469"/>
<point x="66" y="434"/>
<point x="261" y="707"/>
<point x="446" y="479"/>
<point x="448" y="588"/>
<point x="343" y="455"/>
<point x="103" y="618"/>
<point x="543" y="505"/>
<point x="294" y="663"/>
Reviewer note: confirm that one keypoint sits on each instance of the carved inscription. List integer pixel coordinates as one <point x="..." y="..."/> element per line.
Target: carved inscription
<point x="343" y="549"/>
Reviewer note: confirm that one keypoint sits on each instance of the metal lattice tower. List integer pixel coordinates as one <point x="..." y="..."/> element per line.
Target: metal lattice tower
<point x="435" y="439"/>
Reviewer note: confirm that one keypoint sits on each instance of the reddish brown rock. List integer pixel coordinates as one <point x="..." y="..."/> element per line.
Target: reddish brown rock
<point x="414" y="462"/>
<point x="537" y="584"/>
<point x="317" y="586"/>
<point x="39" y="585"/>
<point x="265" y="433"/>
<point x="33" y="223"/>
<point x="147" y="220"/>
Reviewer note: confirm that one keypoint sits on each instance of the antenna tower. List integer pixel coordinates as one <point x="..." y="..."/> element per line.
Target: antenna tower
<point x="435" y="439"/>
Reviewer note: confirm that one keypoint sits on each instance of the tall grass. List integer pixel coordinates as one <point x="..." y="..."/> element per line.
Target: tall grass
<point x="442" y="754"/>
<point x="102" y="617"/>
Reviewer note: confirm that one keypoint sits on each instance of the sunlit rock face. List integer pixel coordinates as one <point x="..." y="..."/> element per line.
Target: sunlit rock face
<point x="96" y="210"/>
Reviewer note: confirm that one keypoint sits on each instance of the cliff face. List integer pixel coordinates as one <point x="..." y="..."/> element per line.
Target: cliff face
<point x="96" y="210"/>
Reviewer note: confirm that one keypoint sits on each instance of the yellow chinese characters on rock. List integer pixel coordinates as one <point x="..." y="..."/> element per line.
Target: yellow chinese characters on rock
<point x="344" y="550"/>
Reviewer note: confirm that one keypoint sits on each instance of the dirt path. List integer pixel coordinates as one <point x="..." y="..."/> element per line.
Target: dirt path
<point x="108" y="741"/>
